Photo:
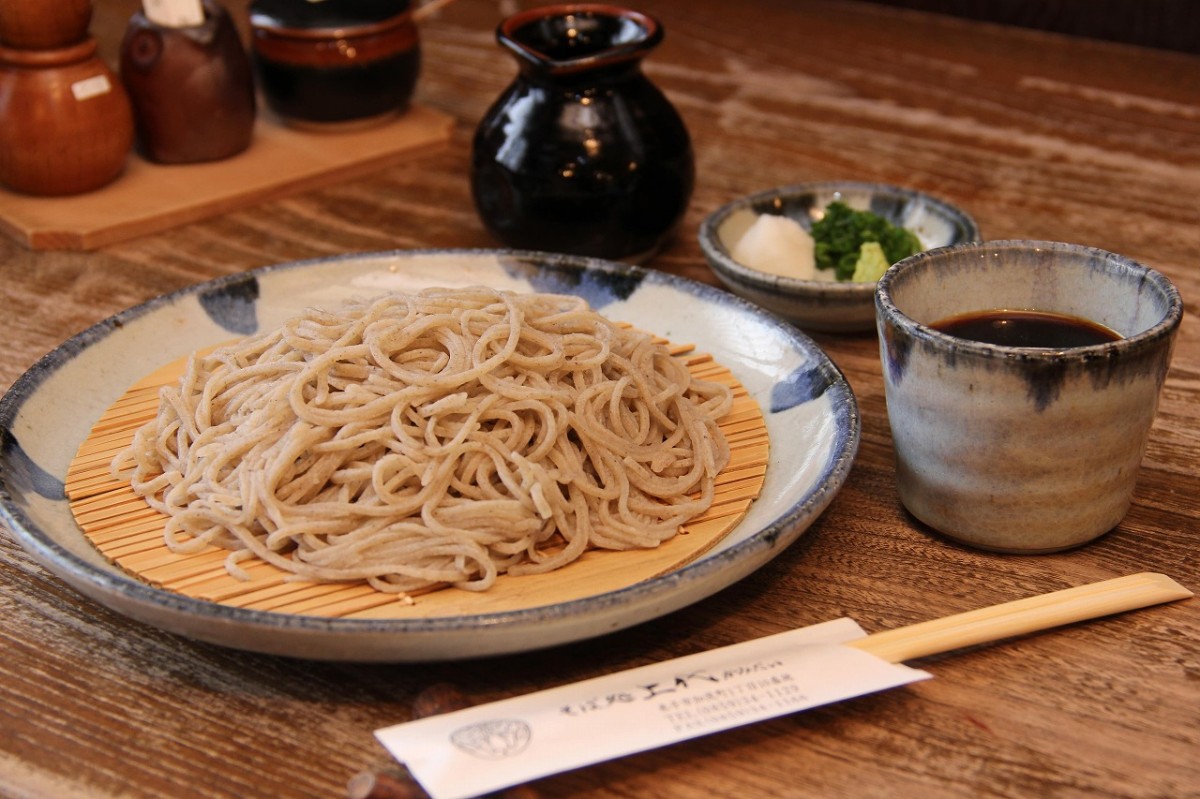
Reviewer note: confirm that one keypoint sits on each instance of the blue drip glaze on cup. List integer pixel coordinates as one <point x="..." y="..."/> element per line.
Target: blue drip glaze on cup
<point x="1022" y="449"/>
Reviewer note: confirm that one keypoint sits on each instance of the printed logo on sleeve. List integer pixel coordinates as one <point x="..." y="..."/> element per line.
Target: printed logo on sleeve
<point x="493" y="740"/>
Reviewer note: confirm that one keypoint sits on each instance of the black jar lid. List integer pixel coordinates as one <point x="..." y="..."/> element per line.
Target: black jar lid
<point x="285" y="15"/>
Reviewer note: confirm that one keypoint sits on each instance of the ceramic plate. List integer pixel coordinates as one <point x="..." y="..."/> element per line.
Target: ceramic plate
<point x="811" y="417"/>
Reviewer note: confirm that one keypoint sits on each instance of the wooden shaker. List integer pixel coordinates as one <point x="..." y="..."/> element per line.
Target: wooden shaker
<point x="66" y="126"/>
<point x="192" y="87"/>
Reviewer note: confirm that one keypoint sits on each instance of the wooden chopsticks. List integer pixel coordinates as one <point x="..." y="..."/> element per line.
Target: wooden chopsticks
<point x="985" y="625"/>
<point x="1022" y="616"/>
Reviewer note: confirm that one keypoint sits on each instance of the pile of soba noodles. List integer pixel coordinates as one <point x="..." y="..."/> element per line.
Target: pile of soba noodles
<point x="442" y="437"/>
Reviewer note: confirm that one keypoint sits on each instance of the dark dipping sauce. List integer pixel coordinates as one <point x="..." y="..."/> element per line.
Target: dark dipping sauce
<point x="1040" y="329"/>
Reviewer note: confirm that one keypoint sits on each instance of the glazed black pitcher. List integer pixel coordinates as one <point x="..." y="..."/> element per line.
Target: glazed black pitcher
<point x="582" y="154"/>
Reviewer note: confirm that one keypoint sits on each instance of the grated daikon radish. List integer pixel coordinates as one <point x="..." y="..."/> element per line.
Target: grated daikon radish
<point x="781" y="246"/>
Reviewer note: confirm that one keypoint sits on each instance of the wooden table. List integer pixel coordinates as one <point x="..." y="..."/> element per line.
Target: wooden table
<point x="1038" y="135"/>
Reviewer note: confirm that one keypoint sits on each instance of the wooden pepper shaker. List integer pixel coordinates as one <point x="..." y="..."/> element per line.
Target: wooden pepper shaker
<point x="190" y="82"/>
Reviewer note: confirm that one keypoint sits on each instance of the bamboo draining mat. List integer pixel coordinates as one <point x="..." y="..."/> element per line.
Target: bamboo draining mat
<point x="130" y="533"/>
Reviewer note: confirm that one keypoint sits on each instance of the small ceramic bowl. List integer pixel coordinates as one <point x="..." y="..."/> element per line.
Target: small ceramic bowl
<point x="1022" y="449"/>
<point x="814" y="304"/>
<point x="335" y="64"/>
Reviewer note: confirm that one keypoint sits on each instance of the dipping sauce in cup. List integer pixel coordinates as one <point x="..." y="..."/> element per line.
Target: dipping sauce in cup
<point x="1017" y="328"/>
<point x="1032" y="446"/>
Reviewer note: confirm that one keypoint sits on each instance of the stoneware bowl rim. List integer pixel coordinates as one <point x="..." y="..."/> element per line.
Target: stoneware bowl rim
<point x="886" y="308"/>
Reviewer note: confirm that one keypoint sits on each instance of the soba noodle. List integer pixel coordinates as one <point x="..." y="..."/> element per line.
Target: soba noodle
<point x="441" y="437"/>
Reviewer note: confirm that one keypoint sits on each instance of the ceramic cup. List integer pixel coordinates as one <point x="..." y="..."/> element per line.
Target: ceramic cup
<point x="1022" y="449"/>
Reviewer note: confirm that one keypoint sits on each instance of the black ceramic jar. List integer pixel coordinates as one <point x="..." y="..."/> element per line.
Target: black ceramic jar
<point x="582" y="154"/>
<point x="337" y="61"/>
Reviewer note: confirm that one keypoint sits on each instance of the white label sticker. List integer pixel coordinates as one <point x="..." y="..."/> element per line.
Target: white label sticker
<point x="91" y="87"/>
<point x="485" y="748"/>
<point x="174" y="13"/>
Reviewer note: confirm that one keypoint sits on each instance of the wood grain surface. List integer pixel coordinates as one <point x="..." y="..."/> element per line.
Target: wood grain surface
<point x="1039" y="136"/>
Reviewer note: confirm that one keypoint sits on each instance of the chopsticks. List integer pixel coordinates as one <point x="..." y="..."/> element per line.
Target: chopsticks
<point x="1022" y="616"/>
<point x="937" y="636"/>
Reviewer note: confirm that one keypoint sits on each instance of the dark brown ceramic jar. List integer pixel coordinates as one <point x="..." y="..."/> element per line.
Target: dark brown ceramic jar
<point x="353" y="61"/>
<point x="192" y="88"/>
<point x="582" y="154"/>
<point x="66" y="126"/>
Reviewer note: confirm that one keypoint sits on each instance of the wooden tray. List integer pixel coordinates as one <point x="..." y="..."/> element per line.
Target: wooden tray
<point x="130" y="533"/>
<point x="281" y="160"/>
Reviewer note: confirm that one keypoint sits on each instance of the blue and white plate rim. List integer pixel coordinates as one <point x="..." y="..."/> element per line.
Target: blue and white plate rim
<point x="816" y="381"/>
